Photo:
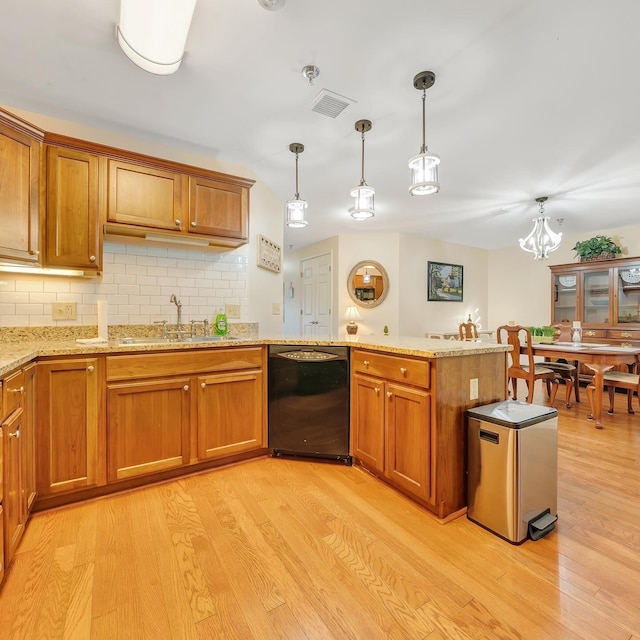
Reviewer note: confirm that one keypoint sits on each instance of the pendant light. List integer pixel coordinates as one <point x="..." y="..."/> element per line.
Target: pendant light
<point x="541" y="241"/>
<point x="424" y="166"/>
<point x="363" y="194"/>
<point x="153" y="34"/>
<point x="295" y="208"/>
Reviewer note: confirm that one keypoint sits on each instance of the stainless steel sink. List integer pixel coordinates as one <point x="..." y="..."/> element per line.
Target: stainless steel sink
<point x="158" y="340"/>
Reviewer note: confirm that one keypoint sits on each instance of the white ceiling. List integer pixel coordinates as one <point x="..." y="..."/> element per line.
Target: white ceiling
<point x="532" y="97"/>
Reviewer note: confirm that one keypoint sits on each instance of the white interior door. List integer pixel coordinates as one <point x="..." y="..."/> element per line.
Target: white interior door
<point x="316" y="296"/>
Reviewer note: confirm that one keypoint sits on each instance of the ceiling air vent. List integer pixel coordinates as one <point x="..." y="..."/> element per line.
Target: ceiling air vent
<point x="329" y="104"/>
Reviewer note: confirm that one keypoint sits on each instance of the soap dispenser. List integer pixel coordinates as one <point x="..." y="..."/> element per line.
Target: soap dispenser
<point x="221" y="323"/>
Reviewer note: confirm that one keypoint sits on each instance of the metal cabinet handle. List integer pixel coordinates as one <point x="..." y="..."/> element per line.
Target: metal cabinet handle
<point x="403" y="370"/>
<point x="365" y="363"/>
<point x="178" y="223"/>
<point x="18" y="390"/>
<point x="92" y="258"/>
<point x="194" y="224"/>
<point x="203" y="385"/>
<point x="389" y="394"/>
<point x="33" y="253"/>
<point x="186" y="387"/>
<point x="90" y="368"/>
<point x="377" y="390"/>
<point x="626" y="344"/>
<point x="626" y="334"/>
<point x="590" y="333"/>
<point x="15" y="434"/>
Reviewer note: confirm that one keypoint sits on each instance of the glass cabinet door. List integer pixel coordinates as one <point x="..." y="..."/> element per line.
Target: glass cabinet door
<point x="628" y="295"/>
<point x="564" y="298"/>
<point x="596" y="297"/>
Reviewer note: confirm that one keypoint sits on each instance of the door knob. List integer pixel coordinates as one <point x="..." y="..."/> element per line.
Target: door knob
<point x="186" y="387"/>
<point x="193" y="224"/>
<point x="203" y="385"/>
<point x="90" y="368"/>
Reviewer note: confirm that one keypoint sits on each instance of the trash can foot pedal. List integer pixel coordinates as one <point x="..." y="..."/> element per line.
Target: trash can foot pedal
<point x="542" y="524"/>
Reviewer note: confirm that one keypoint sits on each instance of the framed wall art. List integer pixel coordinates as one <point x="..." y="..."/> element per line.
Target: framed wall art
<point x="269" y="254"/>
<point x="444" y="282"/>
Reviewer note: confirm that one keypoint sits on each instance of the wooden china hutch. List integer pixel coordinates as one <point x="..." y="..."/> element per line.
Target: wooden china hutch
<point x="603" y="295"/>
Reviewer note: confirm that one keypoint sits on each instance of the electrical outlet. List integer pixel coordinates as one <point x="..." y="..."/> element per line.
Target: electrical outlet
<point x="63" y="311"/>
<point x="275" y="308"/>
<point x="232" y="311"/>
<point x="473" y="389"/>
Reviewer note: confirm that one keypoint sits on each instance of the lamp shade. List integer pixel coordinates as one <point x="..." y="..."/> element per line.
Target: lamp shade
<point x="294" y="210"/>
<point x="352" y="314"/>
<point x="153" y="33"/>
<point x="541" y="241"/>
<point x="424" y="174"/>
<point x="363" y="207"/>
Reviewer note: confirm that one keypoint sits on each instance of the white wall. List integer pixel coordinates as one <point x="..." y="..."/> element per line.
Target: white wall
<point x="519" y="287"/>
<point x="192" y="275"/>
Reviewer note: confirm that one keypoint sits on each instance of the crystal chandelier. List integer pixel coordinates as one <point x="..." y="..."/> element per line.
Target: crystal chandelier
<point x="295" y="208"/>
<point x="363" y="194"/>
<point x="541" y="241"/>
<point x="424" y="166"/>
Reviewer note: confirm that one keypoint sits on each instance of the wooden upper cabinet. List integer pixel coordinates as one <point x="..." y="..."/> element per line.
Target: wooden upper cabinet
<point x="218" y="208"/>
<point x="19" y="196"/>
<point x="144" y="196"/>
<point x="73" y="220"/>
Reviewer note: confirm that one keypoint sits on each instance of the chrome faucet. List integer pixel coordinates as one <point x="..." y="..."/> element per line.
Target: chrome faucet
<point x="179" y="308"/>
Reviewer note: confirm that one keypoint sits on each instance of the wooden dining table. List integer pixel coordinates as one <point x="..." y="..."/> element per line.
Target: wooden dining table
<point x="599" y="358"/>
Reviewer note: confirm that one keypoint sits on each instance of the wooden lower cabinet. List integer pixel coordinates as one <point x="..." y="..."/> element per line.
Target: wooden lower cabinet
<point x="70" y="441"/>
<point x="28" y="486"/>
<point x="14" y="515"/>
<point x="391" y="432"/>
<point x="148" y="427"/>
<point x="230" y="414"/>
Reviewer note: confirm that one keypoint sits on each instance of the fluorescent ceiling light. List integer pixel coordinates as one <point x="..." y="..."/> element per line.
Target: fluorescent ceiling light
<point x="193" y="242"/>
<point x="153" y="33"/>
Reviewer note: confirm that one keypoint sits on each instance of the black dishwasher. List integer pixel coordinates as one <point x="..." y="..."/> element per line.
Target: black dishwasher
<point x="309" y="402"/>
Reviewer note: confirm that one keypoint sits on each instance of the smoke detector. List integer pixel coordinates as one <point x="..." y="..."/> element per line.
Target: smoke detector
<point x="272" y="5"/>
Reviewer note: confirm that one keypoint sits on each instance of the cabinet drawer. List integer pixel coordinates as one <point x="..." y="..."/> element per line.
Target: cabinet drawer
<point x="409" y="370"/>
<point x="12" y="394"/>
<point x="149" y="365"/>
<point x="623" y="334"/>
<point x="590" y="334"/>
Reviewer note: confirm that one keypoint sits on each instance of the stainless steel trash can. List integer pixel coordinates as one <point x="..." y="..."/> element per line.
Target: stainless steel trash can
<point x="512" y="469"/>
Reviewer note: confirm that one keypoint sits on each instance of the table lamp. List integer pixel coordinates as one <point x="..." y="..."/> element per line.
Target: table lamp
<point x="352" y="315"/>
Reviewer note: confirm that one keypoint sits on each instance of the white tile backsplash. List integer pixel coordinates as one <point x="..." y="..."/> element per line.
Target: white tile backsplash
<point x="137" y="283"/>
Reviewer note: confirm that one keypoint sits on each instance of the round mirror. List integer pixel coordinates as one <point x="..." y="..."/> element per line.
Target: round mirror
<point x="368" y="284"/>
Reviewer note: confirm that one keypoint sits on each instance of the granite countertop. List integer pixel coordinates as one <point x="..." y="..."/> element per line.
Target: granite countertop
<point x="16" y="354"/>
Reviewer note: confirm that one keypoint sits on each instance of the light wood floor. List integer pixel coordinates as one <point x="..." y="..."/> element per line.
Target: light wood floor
<point x="302" y="550"/>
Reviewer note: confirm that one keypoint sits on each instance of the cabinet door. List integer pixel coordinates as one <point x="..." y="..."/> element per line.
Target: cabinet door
<point x="147" y="427"/>
<point x="565" y="305"/>
<point x="73" y="209"/>
<point x="408" y="445"/>
<point x="19" y="196"/>
<point x="28" y="444"/>
<point x="367" y="421"/>
<point x="69" y="427"/>
<point x="144" y="196"/>
<point x="597" y="299"/>
<point x="230" y="414"/>
<point x="628" y="295"/>
<point x="13" y="513"/>
<point x="218" y="208"/>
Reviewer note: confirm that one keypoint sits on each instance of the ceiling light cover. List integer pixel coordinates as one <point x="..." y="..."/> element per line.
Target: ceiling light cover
<point x="295" y="209"/>
<point x="153" y="33"/>
<point x="363" y="195"/>
<point x="424" y="167"/>
<point x="541" y="241"/>
<point x="272" y="5"/>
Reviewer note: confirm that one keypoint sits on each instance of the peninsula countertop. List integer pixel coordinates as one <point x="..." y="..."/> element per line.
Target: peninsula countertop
<point x="16" y="354"/>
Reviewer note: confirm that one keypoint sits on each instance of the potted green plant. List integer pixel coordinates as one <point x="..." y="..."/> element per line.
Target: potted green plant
<point x="547" y="334"/>
<point x="536" y="334"/>
<point x="596" y="248"/>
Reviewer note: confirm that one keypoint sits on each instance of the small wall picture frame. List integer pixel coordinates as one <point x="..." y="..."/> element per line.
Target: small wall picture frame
<point x="444" y="282"/>
<point x="269" y="254"/>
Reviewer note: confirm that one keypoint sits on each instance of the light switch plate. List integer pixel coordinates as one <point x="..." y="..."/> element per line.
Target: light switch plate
<point x="275" y="308"/>
<point x="232" y="311"/>
<point x="473" y="389"/>
<point x="63" y="311"/>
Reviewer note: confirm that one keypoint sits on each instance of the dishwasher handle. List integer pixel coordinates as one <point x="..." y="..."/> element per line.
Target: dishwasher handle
<point x="489" y="436"/>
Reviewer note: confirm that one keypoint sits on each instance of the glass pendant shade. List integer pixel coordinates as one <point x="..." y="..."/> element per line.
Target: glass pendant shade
<point x="424" y="174"/>
<point x="541" y="241"/>
<point x="363" y="206"/>
<point x="294" y="210"/>
<point x="153" y="33"/>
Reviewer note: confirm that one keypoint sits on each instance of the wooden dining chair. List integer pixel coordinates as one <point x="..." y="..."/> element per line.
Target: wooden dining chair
<point x="520" y="339"/>
<point x="567" y="371"/>
<point x="468" y="331"/>
<point x="622" y="380"/>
